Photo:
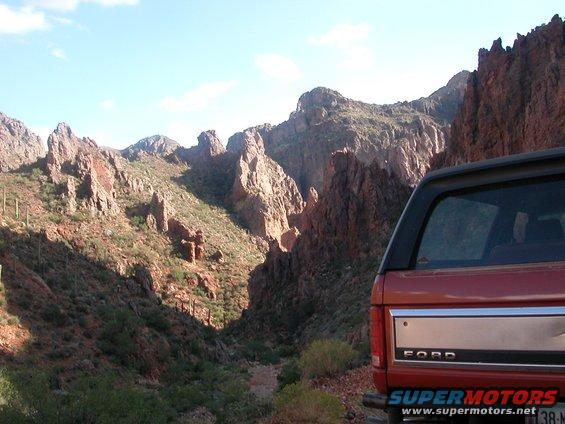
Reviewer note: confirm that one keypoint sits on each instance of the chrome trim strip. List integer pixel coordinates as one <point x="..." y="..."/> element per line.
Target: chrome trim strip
<point x="474" y="314"/>
<point x="478" y="312"/>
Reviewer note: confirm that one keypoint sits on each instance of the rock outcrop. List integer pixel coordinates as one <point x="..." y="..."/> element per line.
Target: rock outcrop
<point x="156" y="145"/>
<point x="18" y="145"/>
<point x="208" y="151"/>
<point x="236" y="142"/>
<point x="515" y="100"/>
<point x="161" y="217"/>
<point x="69" y="155"/>
<point x="263" y="195"/>
<point x="351" y="221"/>
<point x="401" y="137"/>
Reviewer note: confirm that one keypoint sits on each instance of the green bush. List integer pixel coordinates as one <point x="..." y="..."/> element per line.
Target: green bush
<point x="299" y="403"/>
<point x="256" y="350"/>
<point x="137" y="221"/>
<point x="3" y="246"/>
<point x="117" y="337"/>
<point x="53" y="314"/>
<point x="155" y="319"/>
<point x="27" y="397"/>
<point x="326" y="358"/>
<point x="290" y="373"/>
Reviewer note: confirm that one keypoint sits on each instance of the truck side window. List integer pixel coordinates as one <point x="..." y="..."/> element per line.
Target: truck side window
<point x="457" y="231"/>
<point x="515" y="223"/>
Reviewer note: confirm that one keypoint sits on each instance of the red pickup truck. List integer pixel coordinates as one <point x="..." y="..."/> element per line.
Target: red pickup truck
<point x="471" y="290"/>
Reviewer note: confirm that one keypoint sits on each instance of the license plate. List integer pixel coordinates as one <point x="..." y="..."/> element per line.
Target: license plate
<point x="554" y="415"/>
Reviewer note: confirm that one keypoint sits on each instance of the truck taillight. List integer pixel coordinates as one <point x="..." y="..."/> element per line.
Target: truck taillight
<point x="377" y="336"/>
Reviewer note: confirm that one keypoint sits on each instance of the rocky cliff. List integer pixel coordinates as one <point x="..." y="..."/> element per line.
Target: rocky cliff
<point x="263" y="195"/>
<point x="351" y="221"/>
<point x="86" y="172"/>
<point x="401" y="137"/>
<point x="207" y="152"/>
<point x="515" y="100"/>
<point x="18" y="145"/>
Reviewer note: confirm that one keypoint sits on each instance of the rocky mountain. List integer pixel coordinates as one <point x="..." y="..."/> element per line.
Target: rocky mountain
<point x="401" y="137"/>
<point x="84" y="170"/>
<point x="18" y="145"/>
<point x="159" y="145"/>
<point x="515" y="100"/>
<point x="263" y="195"/>
<point x="209" y="149"/>
<point x="341" y="232"/>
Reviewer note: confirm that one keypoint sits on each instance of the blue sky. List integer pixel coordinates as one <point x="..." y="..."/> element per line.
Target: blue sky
<point x="120" y="70"/>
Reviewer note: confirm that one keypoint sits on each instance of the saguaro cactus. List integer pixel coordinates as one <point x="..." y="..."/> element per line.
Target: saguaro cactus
<point x="27" y="216"/>
<point x="0" y="274"/>
<point x="17" y="209"/>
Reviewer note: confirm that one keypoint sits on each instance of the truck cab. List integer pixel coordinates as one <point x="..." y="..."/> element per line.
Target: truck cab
<point x="471" y="290"/>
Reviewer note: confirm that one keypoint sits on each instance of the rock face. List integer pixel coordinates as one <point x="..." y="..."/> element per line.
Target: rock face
<point x="515" y="101"/>
<point x="161" y="217"/>
<point x="157" y="145"/>
<point x="69" y="155"/>
<point x="18" y="145"/>
<point x="263" y="195"/>
<point x="208" y="151"/>
<point x="237" y="141"/>
<point x="401" y="137"/>
<point x="350" y="221"/>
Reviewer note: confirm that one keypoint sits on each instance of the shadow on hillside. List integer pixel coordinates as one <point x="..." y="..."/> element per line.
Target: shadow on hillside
<point x="211" y="184"/>
<point x="68" y="312"/>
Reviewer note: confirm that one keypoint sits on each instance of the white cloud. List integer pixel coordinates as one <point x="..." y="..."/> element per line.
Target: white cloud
<point x="198" y="98"/>
<point x="68" y="5"/>
<point x="349" y="40"/>
<point x="58" y="53"/>
<point x="107" y="104"/>
<point x="63" y="21"/>
<point x="21" y="21"/>
<point x="278" y="67"/>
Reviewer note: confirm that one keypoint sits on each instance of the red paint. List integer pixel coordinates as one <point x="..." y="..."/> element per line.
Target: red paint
<point x="497" y="286"/>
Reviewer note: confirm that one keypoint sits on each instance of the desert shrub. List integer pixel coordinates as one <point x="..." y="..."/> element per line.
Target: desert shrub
<point x="117" y="337"/>
<point x="300" y="403"/>
<point x="326" y="358"/>
<point x="256" y="350"/>
<point x="27" y="397"/>
<point x="290" y="373"/>
<point x="137" y="221"/>
<point x="178" y="274"/>
<point x="53" y="314"/>
<point x="155" y="319"/>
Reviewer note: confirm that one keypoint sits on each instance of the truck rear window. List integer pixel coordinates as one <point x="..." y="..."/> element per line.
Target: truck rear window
<point x="519" y="223"/>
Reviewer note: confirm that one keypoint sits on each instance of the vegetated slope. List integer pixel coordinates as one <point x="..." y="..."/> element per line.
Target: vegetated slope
<point x="18" y="145"/>
<point x="74" y="266"/>
<point x="515" y="100"/>
<point x="401" y="137"/>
